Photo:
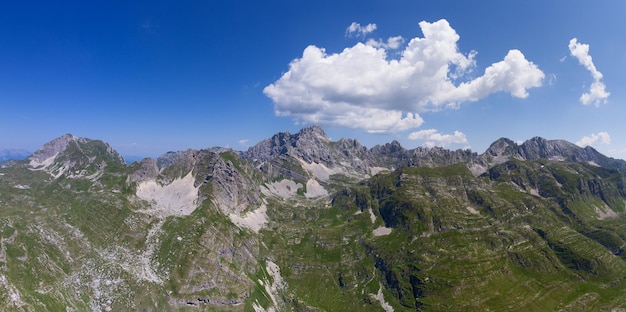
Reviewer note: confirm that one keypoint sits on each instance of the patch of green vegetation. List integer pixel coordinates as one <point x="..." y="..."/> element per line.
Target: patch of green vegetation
<point x="233" y="159"/>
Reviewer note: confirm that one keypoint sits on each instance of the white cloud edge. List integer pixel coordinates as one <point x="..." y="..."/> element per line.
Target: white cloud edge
<point x="355" y="29"/>
<point x="597" y="91"/>
<point x="361" y="88"/>
<point x="432" y="137"/>
<point x="594" y="139"/>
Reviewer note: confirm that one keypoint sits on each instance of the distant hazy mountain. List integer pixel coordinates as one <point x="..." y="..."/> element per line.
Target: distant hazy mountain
<point x="302" y="223"/>
<point x="13" y="154"/>
<point x="130" y="159"/>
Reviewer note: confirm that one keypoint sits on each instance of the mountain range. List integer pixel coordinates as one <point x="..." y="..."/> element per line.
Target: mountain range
<point x="299" y="222"/>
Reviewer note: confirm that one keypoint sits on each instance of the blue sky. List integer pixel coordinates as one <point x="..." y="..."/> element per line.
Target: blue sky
<point x="153" y="76"/>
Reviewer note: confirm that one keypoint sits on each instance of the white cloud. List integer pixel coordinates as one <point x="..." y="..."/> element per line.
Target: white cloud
<point x="392" y="43"/>
<point x="552" y="78"/>
<point x="597" y="92"/>
<point x="432" y="137"/>
<point x="595" y="139"/>
<point x="361" y="88"/>
<point x="244" y="142"/>
<point x="358" y="30"/>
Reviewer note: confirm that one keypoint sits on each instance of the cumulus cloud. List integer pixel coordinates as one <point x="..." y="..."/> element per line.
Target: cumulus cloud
<point x="432" y="137"/>
<point x="362" y="88"/>
<point x="355" y="29"/>
<point x="595" y="139"/>
<point x="597" y="92"/>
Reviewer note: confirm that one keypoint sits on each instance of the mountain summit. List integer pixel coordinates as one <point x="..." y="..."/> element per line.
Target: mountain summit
<point x="540" y="148"/>
<point x="75" y="156"/>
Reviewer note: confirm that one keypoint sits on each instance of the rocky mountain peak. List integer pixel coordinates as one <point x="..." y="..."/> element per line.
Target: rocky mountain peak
<point x="539" y="147"/>
<point x="501" y="147"/>
<point x="313" y="132"/>
<point x="51" y="149"/>
<point x="74" y="155"/>
<point x="308" y="144"/>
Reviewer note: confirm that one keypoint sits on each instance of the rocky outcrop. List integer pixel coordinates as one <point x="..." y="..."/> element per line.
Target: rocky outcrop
<point x="310" y="144"/>
<point x="284" y="155"/>
<point x="46" y="154"/>
<point x="231" y="179"/>
<point x="147" y="170"/>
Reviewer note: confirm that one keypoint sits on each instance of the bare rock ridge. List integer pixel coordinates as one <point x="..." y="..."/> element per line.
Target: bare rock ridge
<point x="61" y="144"/>
<point x="309" y="144"/>
<point x="74" y="157"/>
<point x="539" y="148"/>
<point x="312" y="146"/>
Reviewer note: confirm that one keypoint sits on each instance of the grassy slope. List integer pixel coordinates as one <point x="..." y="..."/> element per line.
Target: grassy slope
<point x="526" y="235"/>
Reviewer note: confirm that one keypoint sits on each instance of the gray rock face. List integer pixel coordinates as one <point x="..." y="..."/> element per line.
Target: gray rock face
<point x="275" y="156"/>
<point x="148" y="170"/>
<point x="75" y="157"/>
<point x="53" y="148"/>
<point x="310" y="144"/>
<point x="501" y="147"/>
<point x="234" y="190"/>
<point x="229" y="176"/>
<point x="538" y="148"/>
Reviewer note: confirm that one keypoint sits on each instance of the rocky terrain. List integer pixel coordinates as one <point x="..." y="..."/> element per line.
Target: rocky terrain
<point x="302" y="223"/>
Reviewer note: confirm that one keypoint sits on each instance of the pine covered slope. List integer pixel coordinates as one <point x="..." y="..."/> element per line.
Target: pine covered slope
<point x="302" y="223"/>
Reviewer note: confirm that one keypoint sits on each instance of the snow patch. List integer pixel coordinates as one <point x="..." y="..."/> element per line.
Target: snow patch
<point x="258" y="308"/>
<point x="322" y="173"/>
<point x="314" y="189"/>
<point x="533" y="191"/>
<point x="21" y="187"/>
<point x="271" y="289"/>
<point x="253" y="220"/>
<point x="48" y="165"/>
<point x="284" y="188"/>
<point x="319" y="171"/>
<point x="381" y="298"/>
<point x="278" y="284"/>
<point x="381" y="231"/>
<point x="179" y="198"/>
<point x="372" y="215"/>
<point x="472" y="210"/>
<point x="38" y="164"/>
